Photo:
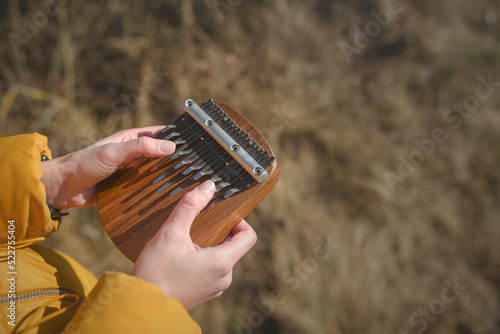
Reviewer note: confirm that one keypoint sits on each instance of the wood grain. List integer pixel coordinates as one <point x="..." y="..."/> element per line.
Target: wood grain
<point x="132" y="212"/>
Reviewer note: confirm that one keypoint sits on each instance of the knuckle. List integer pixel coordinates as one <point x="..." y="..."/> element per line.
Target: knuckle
<point x="226" y="281"/>
<point x="253" y="237"/>
<point x="192" y="200"/>
<point x="143" y="144"/>
<point x="223" y="266"/>
<point x="104" y="152"/>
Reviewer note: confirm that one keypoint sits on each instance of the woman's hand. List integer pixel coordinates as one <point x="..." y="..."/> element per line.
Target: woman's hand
<point x="70" y="180"/>
<point x="179" y="267"/>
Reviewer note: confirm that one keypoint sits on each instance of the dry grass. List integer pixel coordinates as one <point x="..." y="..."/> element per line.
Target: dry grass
<point x="336" y="128"/>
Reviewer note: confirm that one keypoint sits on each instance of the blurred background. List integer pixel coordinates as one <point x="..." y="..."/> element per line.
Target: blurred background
<point x="383" y="116"/>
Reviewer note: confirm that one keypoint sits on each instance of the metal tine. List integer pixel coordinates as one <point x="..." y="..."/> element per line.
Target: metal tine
<point x="253" y="148"/>
<point x="181" y="186"/>
<point x="223" y="183"/>
<point x="224" y="171"/>
<point x="225" y="122"/>
<point x="169" y="183"/>
<point x="262" y="157"/>
<point x="186" y="183"/>
<point x="210" y="169"/>
<point x="192" y="157"/>
<point x="214" y="203"/>
<point x="268" y="157"/>
<point x="191" y="149"/>
<point x="178" y="152"/>
<point x="219" y="115"/>
<point x="248" y="140"/>
<point x="168" y="127"/>
<point x="188" y="124"/>
<point x="163" y="175"/>
<point x="184" y="149"/>
<point x="268" y="162"/>
<point x="188" y="142"/>
<point x="214" y="111"/>
<point x="238" y="186"/>
<point x="218" y="110"/>
<point x="237" y="133"/>
<point x="171" y="135"/>
<point x="256" y="154"/>
<point x="221" y="155"/>
<point x="180" y="130"/>
<point x="231" y="130"/>
<point x="230" y="192"/>
<point x="244" y="142"/>
<point x="228" y="125"/>
<point x="173" y="126"/>
<point x="230" y="179"/>
<point x="194" y="135"/>
<point x="237" y="138"/>
<point x="203" y="160"/>
<point x="199" y="164"/>
<point x="215" y="178"/>
<point x="206" y="143"/>
<point x="192" y="139"/>
<point x="210" y="111"/>
<point x="206" y="104"/>
<point x="166" y="173"/>
<point x="162" y="161"/>
<point x="262" y="153"/>
<point x="244" y="182"/>
<point x="206" y="170"/>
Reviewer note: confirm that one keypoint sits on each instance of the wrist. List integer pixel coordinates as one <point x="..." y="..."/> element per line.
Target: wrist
<point x="53" y="180"/>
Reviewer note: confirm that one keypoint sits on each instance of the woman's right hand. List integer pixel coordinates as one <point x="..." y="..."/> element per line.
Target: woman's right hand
<point x="179" y="267"/>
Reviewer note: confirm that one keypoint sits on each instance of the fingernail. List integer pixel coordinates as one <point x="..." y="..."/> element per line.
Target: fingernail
<point x="166" y="146"/>
<point x="206" y="186"/>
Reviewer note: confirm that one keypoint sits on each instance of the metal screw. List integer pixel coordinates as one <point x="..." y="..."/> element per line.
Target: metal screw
<point x="235" y="147"/>
<point x="258" y="170"/>
<point x="209" y="122"/>
<point x="190" y="103"/>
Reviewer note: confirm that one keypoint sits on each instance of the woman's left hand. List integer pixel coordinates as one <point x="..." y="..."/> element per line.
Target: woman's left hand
<point x="70" y="180"/>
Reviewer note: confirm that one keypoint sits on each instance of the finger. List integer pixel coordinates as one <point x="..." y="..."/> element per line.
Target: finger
<point x="130" y="134"/>
<point x="242" y="240"/>
<point x="188" y="208"/>
<point x="118" y="153"/>
<point x="239" y="227"/>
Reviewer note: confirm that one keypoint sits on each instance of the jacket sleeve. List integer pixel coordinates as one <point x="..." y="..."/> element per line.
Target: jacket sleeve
<point x="120" y="303"/>
<point x="22" y="199"/>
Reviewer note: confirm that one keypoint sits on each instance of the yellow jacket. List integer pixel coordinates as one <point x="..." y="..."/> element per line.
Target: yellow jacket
<point x="45" y="291"/>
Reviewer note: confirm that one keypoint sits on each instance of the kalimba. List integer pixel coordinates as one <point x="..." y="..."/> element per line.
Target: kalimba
<point x="213" y="141"/>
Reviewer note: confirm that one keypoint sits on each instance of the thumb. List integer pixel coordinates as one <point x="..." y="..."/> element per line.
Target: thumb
<point x="118" y="153"/>
<point x="187" y="209"/>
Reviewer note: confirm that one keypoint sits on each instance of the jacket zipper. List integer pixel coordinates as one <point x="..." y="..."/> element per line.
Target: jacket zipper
<point x="36" y="294"/>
